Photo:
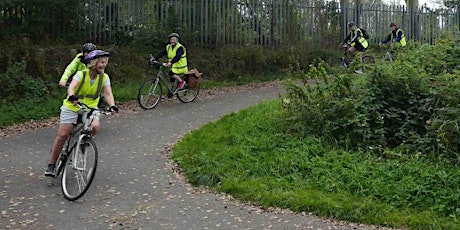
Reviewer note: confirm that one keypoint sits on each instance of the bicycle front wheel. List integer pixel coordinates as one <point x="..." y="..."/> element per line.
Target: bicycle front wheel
<point x="149" y="94"/>
<point x="187" y="94"/>
<point x="79" y="170"/>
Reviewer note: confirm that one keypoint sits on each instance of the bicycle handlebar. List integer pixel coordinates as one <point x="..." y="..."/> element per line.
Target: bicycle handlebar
<point x="158" y="63"/>
<point x="343" y="45"/>
<point x="103" y="110"/>
<point x="154" y="62"/>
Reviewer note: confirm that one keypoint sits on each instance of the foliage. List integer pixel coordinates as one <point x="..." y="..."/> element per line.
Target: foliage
<point x="250" y="156"/>
<point x="406" y="107"/>
<point x="17" y="84"/>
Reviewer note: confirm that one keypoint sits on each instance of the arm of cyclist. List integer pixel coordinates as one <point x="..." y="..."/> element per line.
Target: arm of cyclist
<point x="159" y="55"/>
<point x="387" y="39"/>
<point x="71" y="91"/>
<point x="345" y="41"/>
<point x="69" y="70"/>
<point x="109" y="99"/>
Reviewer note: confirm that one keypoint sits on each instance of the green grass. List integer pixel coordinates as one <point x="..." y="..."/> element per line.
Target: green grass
<point x="248" y="155"/>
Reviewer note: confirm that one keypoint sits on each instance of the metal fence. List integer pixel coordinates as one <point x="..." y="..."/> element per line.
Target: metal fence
<point x="215" y="23"/>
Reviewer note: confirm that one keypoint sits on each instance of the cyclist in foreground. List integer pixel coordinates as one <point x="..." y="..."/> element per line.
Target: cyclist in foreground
<point x="177" y="59"/>
<point x="76" y="64"/>
<point x="355" y="39"/>
<point x="85" y="86"/>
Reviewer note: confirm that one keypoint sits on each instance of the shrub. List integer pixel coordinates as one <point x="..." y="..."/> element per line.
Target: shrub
<point x="17" y="84"/>
<point x="406" y="107"/>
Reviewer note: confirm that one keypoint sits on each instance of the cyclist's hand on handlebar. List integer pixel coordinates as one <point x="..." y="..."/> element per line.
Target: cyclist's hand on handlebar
<point x="169" y="64"/>
<point x="114" y="109"/>
<point x="73" y="99"/>
<point x="62" y="83"/>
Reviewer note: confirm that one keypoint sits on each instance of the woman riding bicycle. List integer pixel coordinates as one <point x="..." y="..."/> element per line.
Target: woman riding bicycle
<point x="177" y="59"/>
<point x="85" y="86"/>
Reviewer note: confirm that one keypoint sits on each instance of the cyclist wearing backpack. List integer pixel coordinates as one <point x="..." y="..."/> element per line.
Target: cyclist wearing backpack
<point x="355" y="39"/>
<point x="396" y="36"/>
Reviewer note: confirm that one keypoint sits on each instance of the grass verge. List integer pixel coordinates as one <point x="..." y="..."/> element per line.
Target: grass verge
<point x="248" y="155"/>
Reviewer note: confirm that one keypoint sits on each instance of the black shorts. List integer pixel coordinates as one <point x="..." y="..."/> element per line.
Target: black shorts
<point x="359" y="47"/>
<point x="171" y="79"/>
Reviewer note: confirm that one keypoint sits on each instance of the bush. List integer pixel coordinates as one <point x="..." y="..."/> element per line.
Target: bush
<point x="408" y="107"/>
<point x="17" y="84"/>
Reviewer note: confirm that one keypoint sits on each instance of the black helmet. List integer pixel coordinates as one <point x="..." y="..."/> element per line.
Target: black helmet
<point x="89" y="47"/>
<point x="393" y="24"/>
<point x="96" y="54"/>
<point x="173" y="35"/>
<point x="350" y="24"/>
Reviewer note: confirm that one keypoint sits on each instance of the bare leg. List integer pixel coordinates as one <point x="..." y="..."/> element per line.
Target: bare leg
<point x="352" y="50"/>
<point x="95" y="126"/>
<point x="61" y="137"/>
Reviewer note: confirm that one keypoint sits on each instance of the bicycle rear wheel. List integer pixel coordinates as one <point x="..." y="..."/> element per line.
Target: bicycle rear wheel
<point x="187" y="94"/>
<point x="149" y="94"/>
<point x="79" y="170"/>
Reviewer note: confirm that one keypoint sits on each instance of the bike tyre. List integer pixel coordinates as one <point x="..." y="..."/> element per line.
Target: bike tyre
<point x="187" y="94"/>
<point x="79" y="170"/>
<point x="149" y="94"/>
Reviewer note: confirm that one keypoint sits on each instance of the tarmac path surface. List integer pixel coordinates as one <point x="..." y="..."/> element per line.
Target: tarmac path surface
<point x="136" y="185"/>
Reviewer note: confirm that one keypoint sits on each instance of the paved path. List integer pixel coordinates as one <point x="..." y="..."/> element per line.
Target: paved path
<point x="136" y="185"/>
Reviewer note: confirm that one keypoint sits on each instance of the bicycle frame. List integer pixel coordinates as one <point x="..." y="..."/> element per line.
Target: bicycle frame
<point x="151" y="92"/>
<point x="80" y="130"/>
<point x="161" y="77"/>
<point x="347" y="59"/>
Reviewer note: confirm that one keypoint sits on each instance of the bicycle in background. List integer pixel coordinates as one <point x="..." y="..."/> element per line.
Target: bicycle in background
<point x="157" y="88"/>
<point x="346" y="59"/>
<point x="389" y="54"/>
<point x="79" y="156"/>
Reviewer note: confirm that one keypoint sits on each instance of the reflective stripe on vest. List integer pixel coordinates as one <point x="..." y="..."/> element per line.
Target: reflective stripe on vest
<point x="361" y="39"/>
<point x="82" y="82"/>
<point x="403" y="38"/>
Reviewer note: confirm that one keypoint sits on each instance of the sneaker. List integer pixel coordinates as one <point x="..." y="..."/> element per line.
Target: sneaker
<point x="181" y="85"/>
<point x="50" y="170"/>
<point x="359" y="71"/>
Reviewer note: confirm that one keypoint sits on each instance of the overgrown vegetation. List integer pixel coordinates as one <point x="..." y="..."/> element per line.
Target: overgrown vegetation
<point x="408" y="107"/>
<point x="378" y="148"/>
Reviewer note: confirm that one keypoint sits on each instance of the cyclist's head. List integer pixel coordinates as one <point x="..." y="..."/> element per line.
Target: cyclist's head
<point x="93" y="57"/>
<point x="351" y="25"/>
<point x="393" y="24"/>
<point x="173" y="38"/>
<point x="88" y="47"/>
